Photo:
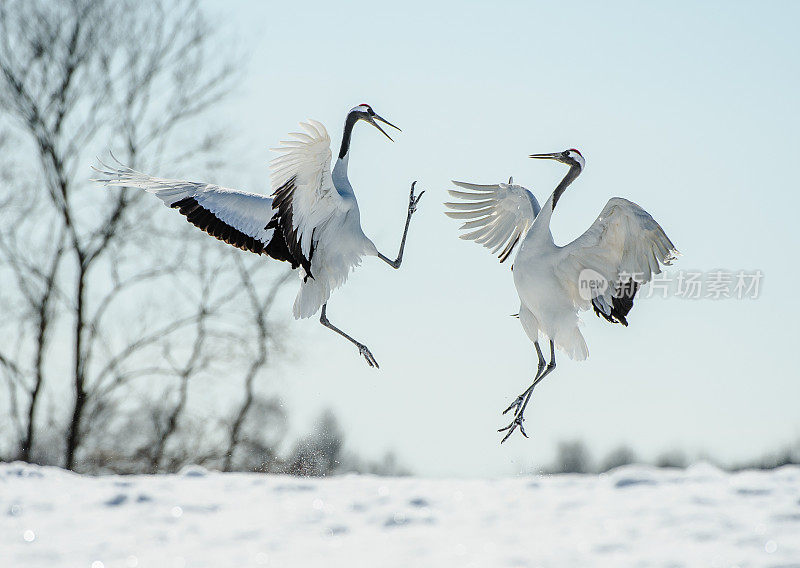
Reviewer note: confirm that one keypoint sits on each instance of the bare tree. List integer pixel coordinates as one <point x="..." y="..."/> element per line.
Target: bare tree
<point x="186" y="369"/>
<point x="78" y="77"/>
<point x="231" y="342"/>
<point x="259" y="306"/>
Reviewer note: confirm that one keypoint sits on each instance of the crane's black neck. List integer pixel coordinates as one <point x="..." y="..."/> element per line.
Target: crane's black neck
<point x="352" y="118"/>
<point x="574" y="172"/>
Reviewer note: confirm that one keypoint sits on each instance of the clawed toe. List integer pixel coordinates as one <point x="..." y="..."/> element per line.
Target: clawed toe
<point x="367" y="354"/>
<point x="414" y="200"/>
<point x="516" y="423"/>
<point x="515" y="405"/>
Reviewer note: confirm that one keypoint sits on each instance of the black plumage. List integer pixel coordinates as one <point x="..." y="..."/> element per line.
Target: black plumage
<point x="205" y="220"/>
<point x="282" y="223"/>
<point x="621" y="303"/>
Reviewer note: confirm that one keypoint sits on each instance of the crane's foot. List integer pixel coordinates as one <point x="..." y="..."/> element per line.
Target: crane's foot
<point x="413" y="200"/>
<point x="364" y="351"/>
<point x="516" y="423"/>
<point x="517" y="404"/>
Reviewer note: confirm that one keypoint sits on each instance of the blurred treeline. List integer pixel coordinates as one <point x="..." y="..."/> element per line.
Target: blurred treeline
<point x="575" y="457"/>
<point x="129" y="341"/>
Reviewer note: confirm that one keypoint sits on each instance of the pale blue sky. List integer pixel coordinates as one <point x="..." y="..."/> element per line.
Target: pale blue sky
<point x="690" y="110"/>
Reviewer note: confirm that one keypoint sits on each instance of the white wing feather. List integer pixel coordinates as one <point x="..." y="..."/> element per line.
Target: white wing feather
<point x="497" y="216"/>
<point x="313" y="198"/>
<point x="624" y="243"/>
<point x="246" y="212"/>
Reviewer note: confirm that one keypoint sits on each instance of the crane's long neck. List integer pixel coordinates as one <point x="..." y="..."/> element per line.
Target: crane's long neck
<point x="340" y="168"/>
<point x="349" y="123"/>
<point x="543" y="219"/>
<point x="574" y="172"/>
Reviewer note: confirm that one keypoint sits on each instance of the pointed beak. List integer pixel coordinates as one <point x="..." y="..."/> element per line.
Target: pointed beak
<point x="551" y="156"/>
<point x="372" y="120"/>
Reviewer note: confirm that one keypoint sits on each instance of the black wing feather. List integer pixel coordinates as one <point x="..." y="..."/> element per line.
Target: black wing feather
<point x="621" y="303"/>
<point x="282" y="201"/>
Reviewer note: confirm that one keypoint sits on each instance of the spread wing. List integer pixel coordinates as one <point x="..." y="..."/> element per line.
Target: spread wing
<point x="498" y="216"/>
<point x="626" y="246"/>
<point x="303" y="189"/>
<point x="236" y="217"/>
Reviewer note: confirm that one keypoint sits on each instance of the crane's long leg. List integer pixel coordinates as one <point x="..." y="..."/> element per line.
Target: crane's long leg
<point x="412" y="207"/>
<point x="519" y="404"/>
<point x="550" y="366"/>
<point x="362" y="349"/>
<point x="521" y="398"/>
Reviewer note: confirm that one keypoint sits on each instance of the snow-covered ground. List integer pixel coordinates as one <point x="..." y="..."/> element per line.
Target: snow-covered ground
<point x="633" y="516"/>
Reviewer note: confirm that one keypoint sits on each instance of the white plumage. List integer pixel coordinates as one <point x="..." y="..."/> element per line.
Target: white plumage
<point x="242" y="210"/>
<point x="622" y="249"/>
<point x="307" y="159"/>
<point x="323" y="219"/>
<point x="312" y="219"/>
<point x="499" y="215"/>
<point x="622" y="244"/>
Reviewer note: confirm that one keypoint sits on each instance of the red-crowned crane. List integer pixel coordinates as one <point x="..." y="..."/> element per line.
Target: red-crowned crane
<point x="311" y="221"/>
<point x="601" y="269"/>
